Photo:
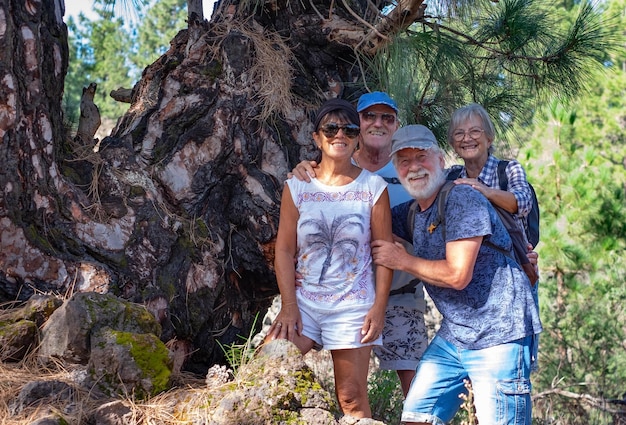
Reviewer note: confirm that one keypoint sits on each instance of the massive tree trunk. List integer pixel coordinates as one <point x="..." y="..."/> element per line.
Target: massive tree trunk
<point x="178" y="208"/>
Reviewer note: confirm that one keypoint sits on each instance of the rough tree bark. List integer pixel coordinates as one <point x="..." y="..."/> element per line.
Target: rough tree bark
<point x="178" y="208"/>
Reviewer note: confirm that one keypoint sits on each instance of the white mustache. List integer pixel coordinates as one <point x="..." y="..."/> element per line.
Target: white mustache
<point x="417" y="174"/>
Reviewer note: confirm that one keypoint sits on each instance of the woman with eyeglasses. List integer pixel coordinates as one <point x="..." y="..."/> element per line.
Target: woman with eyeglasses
<point x="327" y="224"/>
<point x="471" y="134"/>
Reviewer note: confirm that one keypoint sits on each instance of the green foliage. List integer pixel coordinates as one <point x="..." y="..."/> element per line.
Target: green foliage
<point x="238" y="355"/>
<point x="74" y="80"/>
<point x="385" y="396"/>
<point x="511" y="57"/>
<point x="506" y="56"/>
<point x="159" y="25"/>
<point x="576" y="160"/>
<point x="112" y="53"/>
<point x="99" y="49"/>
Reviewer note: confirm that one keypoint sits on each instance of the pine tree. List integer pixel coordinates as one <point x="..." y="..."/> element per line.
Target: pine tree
<point x="576" y="158"/>
<point x="99" y="54"/>
<point x="157" y="26"/>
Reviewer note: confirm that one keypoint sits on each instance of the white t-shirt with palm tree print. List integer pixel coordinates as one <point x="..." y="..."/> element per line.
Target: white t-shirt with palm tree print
<point x="333" y="241"/>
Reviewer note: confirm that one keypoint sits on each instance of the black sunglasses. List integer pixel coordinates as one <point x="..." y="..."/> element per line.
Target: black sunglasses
<point x="349" y="130"/>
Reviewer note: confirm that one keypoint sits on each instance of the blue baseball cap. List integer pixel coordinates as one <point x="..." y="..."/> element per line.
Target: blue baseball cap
<point x="375" y="98"/>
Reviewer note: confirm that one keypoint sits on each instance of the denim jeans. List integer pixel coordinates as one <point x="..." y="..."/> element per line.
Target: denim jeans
<point x="500" y="378"/>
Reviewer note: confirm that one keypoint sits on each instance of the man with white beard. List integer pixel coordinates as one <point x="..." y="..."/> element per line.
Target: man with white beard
<point x="489" y="316"/>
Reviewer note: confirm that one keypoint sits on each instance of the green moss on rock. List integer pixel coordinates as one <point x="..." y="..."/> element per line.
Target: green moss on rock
<point x="150" y="355"/>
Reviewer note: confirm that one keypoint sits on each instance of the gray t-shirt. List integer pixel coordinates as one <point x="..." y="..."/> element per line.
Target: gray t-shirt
<point x="497" y="305"/>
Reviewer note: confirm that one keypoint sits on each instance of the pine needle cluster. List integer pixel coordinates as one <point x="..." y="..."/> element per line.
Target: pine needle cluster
<point x="509" y="56"/>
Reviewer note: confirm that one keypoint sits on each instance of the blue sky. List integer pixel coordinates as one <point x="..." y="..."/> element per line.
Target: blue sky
<point x="74" y="7"/>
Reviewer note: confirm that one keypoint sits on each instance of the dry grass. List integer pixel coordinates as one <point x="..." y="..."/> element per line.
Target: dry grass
<point x="84" y="402"/>
<point x="89" y="153"/>
<point x="271" y="71"/>
<point x="186" y="403"/>
<point x="16" y="375"/>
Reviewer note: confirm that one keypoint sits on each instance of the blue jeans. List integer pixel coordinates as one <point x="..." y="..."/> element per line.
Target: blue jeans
<point x="500" y="378"/>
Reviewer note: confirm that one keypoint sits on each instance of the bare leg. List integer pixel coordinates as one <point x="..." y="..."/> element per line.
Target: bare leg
<point x="351" y="367"/>
<point x="406" y="377"/>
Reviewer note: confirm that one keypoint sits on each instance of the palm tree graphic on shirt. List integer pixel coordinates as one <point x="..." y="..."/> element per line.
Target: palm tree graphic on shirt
<point x="333" y="239"/>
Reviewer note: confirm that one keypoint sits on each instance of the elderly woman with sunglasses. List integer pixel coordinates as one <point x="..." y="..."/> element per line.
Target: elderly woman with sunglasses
<point x="327" y="224"/>
<point x="405" y="336"/>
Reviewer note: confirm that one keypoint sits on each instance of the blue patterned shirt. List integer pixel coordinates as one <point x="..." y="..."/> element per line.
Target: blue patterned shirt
<point x="497" y="305"/>
<point x="517" y="185"/>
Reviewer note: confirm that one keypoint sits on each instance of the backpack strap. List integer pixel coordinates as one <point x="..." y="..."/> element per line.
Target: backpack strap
<point x="454" y="173"/>
<point x="410" y="218"/>
<point x="503" y="179"/>
<point x="532" y="219"/>
<point x="442" y="197"/>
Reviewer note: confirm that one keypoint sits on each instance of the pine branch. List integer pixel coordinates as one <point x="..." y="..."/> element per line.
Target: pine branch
<point x="512" y="39"/>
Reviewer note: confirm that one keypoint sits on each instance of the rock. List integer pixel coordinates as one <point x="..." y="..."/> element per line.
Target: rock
<point x="19" y="326"/>
<point x="124" y="363"/>
<point x="16" y="339"/>
<point x="350" y="420"/>
<point x="275" y="386"/>
<point x="37" y="393"/>
<point x="66" y="335"/>
<point x="316" y="416"/>
<point x="49" y="420"/>
<point x="128" y="363"/>
<point x="38" y="308"/>
<point x="113" y="413"/>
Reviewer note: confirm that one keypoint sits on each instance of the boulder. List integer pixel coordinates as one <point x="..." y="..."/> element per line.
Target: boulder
<point x="126" y="363"/>
<point x="275" y="386"/>
<point x="113" y="413"/>
<point x="19" y="326"/>
<point x="17" y="339"/>
<point x="42" y="393"/>
<point x="67" y="333"/>
<point x="110" y="356"/>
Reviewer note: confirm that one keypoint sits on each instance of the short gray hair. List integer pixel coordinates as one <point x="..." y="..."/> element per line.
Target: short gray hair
<point x="465" y="113"/>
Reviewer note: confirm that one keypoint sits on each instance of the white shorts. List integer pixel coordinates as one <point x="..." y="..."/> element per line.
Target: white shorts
<point x="336" y="330"/>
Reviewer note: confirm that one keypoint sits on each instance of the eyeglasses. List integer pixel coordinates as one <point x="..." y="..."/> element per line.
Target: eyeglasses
<point x="373" y="116"/>
<point x="474" y="133"/>
<point x="349" y="130"/>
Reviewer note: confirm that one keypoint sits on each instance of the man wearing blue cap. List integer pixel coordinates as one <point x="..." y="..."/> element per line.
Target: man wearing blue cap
<point x="404" y="337"/>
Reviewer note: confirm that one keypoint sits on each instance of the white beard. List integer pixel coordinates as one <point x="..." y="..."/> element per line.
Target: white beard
<point x="420" y="190"/>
